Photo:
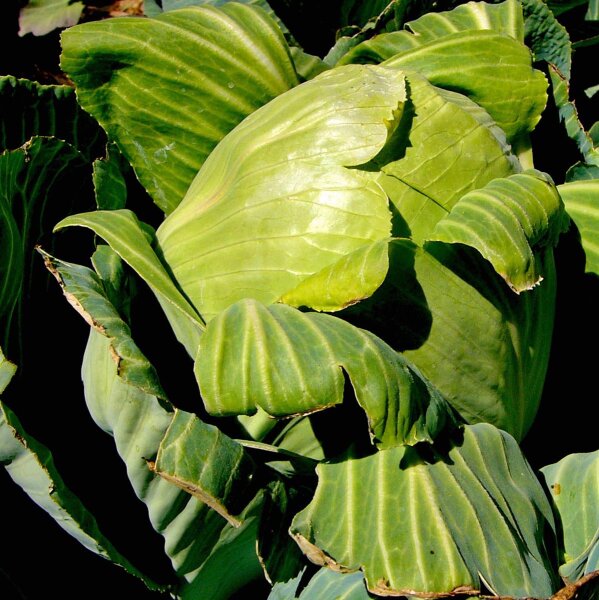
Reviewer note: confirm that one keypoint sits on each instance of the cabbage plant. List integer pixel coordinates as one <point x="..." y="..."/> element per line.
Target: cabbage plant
<point x="356" y="253"/>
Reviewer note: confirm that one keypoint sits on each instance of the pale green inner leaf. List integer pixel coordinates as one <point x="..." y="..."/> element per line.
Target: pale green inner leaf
<point x="276" y="202"/>
<point x="352" y="278"/>
<point x="453" y="147"/>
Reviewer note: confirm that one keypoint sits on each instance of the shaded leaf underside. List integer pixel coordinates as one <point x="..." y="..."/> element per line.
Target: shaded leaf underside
<point x="31" y="466"/>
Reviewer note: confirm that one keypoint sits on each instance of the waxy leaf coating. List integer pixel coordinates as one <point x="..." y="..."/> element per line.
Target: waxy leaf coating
<point x="287" y="363"/>
<point x="277" y="200"/>
<point x="415" y="524"/>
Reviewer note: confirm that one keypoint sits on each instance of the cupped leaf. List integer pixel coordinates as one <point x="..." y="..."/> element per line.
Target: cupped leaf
<point x="574" y="483"/>
<point x="325" y="584"/>
<point x="451" y="146"/>
<point x="31" y="466"/>
<point x="458" y="49"/>
<point x="288" y="362"/>
<point x="512" y="92"/>
<point x="504" y="17"/>
<point x="421" y="525"/>
<point x="40" y="17"/>
<point x="582" y="203"/>
<point x="139" y="422"/>
<point x="85" y="291"/>
<point x="203" y="461"/>
<point x="168" y="89"/>
<point x="37" y="185"/>
<point x="122" y="231"/>
<point x="507" y="221"/>
<point x="485" y="348"/>
<point x="29" y="109"/>
<point x="276" y="202"/>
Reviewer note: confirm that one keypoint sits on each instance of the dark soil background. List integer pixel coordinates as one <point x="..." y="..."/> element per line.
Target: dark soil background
<point x="37" y="559"/>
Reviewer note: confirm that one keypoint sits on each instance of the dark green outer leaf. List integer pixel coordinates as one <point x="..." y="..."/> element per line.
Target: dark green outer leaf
<point x="30" y="109"/>
<point x="85" y="292"/>
<point x="38" y="183"/>
<point x="421" y="526"/>
<point x="279" y="555"/>
<point x="341" y="586"/>
<point x="139" y="421"/>
<point x="31" y="466"/>
<point x="168" y="89"/>
<point x="325" y="584"/>
<point x="109" y="179"/>
<point x="550" y="41"/>
<point x="569" y="116"/>
<point x="187" y="458"/>
<point x="547" y="37"/>
<point x="357" y="12"/>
